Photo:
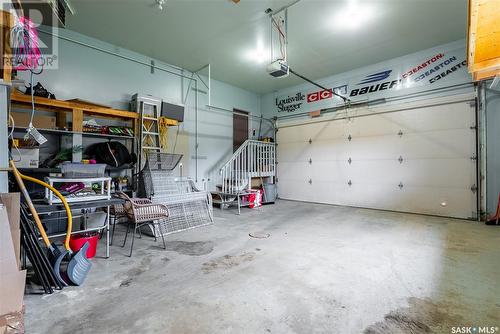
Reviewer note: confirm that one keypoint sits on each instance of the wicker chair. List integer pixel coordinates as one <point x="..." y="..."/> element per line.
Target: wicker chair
<point x="141" y="211"/>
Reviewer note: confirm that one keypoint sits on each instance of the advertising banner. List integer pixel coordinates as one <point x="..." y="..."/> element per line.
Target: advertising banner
<point x="414" y="74"/>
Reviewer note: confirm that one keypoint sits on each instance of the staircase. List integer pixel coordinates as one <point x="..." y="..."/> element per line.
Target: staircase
<point x="253" y="159"/>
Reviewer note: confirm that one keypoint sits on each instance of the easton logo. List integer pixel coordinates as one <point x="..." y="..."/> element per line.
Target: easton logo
<point x="375" y="77"/>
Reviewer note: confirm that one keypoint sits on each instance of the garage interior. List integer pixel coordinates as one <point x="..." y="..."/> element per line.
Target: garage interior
<point x="239" y="166"/>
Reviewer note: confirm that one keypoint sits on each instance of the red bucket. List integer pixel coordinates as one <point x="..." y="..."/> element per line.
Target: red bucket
<point x="77" y="241"/>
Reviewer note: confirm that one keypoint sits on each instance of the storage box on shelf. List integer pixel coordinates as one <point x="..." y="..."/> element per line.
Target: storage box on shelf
<point x="104" y="192"/>
<point x="26" y="157"/>
<point x="22" y="120"/>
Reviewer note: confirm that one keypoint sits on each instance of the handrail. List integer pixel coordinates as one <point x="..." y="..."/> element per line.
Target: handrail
<point x="252" y="159"/>
<point x="238" y="151"/>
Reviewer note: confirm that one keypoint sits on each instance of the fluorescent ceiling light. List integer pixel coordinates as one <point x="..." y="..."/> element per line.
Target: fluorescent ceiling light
<point x="353" y="16"/>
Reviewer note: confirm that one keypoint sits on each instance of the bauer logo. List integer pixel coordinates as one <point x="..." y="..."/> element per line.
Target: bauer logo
<point x="375" y="77"/>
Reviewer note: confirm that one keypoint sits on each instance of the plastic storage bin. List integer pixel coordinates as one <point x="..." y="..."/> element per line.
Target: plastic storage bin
<point x="75" y="169"/>
<point x="77" y="241"/>
<point x="269" y="192"/>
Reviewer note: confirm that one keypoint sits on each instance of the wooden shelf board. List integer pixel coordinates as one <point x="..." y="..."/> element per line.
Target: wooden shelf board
<point x="69" y="132"/>
<point x="68" y="106"/>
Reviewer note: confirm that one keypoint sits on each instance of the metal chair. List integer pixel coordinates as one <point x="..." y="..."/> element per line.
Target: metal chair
<point x="141" y="211"/>
<point x="117" y="212"/>
<point x="189" y="207"/>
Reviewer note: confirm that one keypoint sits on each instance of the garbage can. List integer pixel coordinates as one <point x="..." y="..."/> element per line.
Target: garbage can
<point x="269" y="192"/>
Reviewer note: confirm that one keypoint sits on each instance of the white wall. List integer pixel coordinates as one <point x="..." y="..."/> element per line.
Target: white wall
<point x="96" y="76"/>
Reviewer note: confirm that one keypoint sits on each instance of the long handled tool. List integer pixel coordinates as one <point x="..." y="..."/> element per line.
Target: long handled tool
<point x="40" y="262"/>
<point x="78" y="266"/>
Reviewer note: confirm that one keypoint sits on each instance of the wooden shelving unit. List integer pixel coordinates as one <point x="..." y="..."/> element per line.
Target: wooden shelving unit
<point x="76" y="109"/>
<point x="69" y="123"/>
<point x="74" y="113"/>
<point x="483" y="39"/>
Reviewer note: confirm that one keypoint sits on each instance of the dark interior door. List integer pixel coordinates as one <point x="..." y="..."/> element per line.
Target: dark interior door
<point x="240" y="128"/>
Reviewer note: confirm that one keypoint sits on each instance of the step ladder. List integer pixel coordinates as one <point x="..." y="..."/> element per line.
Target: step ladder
<point x="149" y="109"/>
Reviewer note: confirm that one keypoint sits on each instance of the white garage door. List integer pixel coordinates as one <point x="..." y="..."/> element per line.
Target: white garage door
<point x="418" y="160"/>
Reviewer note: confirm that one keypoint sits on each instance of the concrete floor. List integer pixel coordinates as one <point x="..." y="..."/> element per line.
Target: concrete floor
<point x="324" y="269"/>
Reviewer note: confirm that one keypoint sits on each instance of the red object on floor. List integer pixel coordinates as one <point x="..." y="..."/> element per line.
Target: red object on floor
<point x="77" y="241"/>
<point x="255" y="198"/>
<point x="496" y="218"/>
<point x="251" y="200"/>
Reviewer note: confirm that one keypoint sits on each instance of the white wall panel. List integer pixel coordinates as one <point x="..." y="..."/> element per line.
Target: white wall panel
<point x="435" y="171"/>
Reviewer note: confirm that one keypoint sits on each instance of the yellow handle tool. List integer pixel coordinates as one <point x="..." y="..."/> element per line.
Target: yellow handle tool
<point x="19" y="178"/>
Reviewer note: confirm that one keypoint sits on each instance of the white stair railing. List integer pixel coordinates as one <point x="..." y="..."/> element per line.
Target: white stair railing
<point x="252" y="159"/>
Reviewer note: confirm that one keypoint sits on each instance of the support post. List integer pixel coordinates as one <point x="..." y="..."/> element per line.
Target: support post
<point x="77" y="119"/>
<point x="4" y="154"/>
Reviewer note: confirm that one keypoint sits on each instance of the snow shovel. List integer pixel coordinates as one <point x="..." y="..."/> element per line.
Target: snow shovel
<point x="78" y="266"/>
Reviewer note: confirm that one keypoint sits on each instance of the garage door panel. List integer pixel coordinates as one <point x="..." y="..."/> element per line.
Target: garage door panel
<point x="293" y="171"/>
<point x="367" y="148"/>
<point x="334" y="150"/>
<point x="420" y="172"/>
<point x="412" y="160"/>
<point x="334" y="192"/>
<point x="294" y="151"/>
<point x="296" y="190"/>
<point x="437" y="172"/>
<point x="331" y="171"/>
<point x="331" y="131"/>
<point x="426" y="200"/>
<point x="322" y="151"/>
<point x="297" y="134"/>
<point x="451" y="202"/>
<point x="450" y="143"/>
<point x="372" y="126"/>
<point x="451" y="116"/>
<point x="374" y="171"/>
<point x="455" y="143"/>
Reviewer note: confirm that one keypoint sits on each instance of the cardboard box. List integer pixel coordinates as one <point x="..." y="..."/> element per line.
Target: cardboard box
<point x="12" y="280"/>
<point x="22" y="119"/>
<point x="12" y="323"/>
<point x="26" y="157"/>
<point x="256" y="183"/>
<point x="12" y="201"/>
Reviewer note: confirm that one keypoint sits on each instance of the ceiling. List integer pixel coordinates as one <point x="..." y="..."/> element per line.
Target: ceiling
<point x="192" y="33"/>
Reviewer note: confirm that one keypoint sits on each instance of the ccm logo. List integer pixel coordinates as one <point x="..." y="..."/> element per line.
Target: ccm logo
<point x="322" y="95"/>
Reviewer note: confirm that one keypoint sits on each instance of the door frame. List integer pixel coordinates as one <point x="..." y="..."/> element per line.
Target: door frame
<point x="240" y="114"/>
